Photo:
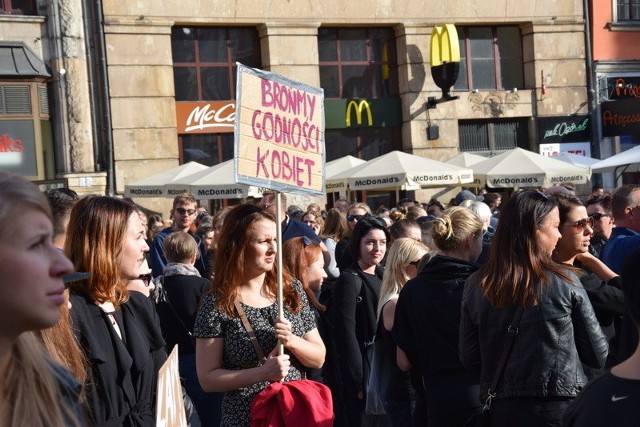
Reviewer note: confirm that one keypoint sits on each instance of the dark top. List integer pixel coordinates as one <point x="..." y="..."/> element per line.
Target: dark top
<point x="607" y="401"/>
<point x="183" y="293"/>
<point x="596" y="246"/>
<point x="428" y="315"/>
<point x="239" y="353"/>
<point x="157" y="260"/>
<point x="555" y="338"/>
<point x="122" y="387"/>
<point x="293" y="228"/>
<point x="353" y="316"/>
<point x="343" y="256"/>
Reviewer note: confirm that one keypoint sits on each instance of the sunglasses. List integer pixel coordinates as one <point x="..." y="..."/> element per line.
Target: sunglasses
<point x="582" y="224"/>
<point x="183" y="211"/>
<point x="146" y="279"/>
<point x="351" y="218"/>
<point x="597" y="216"/>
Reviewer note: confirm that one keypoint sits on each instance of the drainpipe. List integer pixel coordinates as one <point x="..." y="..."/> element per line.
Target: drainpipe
<point x="87" y="13"/>
<point x="104" y="106"/>
<point x="592" y="94"/>
<point x="63" y="159"/>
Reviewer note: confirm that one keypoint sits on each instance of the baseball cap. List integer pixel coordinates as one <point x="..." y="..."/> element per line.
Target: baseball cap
<point x="466" y="195"/>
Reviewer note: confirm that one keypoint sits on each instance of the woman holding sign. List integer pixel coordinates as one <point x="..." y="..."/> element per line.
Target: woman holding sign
<point x="119" y="330"/>
<point x="244" y="284"/>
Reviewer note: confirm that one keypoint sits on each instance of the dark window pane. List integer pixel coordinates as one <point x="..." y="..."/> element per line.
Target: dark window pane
<point x="23" y="7"/>
<point x="329" y="81"/>
<point x="355" y="83"/>
<point x="510" y="54"/>
<point x="473" y="136"/>
<point x="353" y="45"/>
<point x="212" y="45"/>
<point x="462" y="83"/>
<point x="185" y="83"/>
<point x="327" y="47"/>
<point x="201" y="148"/>
<point x="215" y="83"/>
<point x="382" y="45"/>
<point x="182" y="44"/>
<point x="483" y="73"/>
<point x="376" y="142"/>
<point x="245" y="46"/>
<point x="340" y="143"/>
<point x="481" y="42"/>
<point x="226" y="141"/>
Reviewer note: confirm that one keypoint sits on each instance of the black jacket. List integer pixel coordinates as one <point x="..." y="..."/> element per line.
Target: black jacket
<point x="427" y="316"/>
<point x="124" y="372"/>
<point x="178" y="307"/>
<point x="555" y="338"/>
<point x="353" y="316"/>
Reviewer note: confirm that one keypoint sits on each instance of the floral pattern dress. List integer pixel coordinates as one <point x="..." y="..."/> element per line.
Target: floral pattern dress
<point x="239" y="353"/>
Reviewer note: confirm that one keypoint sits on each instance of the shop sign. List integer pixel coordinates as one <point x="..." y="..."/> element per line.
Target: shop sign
<point x="620" y="117"/>
<point x="18" y="147"/>
<point x="205" y="117"/>
<point x="581" y="148"/>
<point x="623" y="87"/>
<point x="564" y="129"/>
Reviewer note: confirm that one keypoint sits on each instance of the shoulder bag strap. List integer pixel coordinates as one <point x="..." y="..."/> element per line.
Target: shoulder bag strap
<point x="512" y="331"/>
<point x="252" y="335"/>
<point x="165" y="298"/>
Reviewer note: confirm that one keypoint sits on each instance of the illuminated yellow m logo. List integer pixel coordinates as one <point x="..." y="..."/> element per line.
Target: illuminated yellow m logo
<point x="444" y="45"/>
<point x="359" y="106"/>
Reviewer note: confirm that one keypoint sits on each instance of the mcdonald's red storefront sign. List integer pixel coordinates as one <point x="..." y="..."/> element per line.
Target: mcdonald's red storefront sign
<point x="205" y="117"/>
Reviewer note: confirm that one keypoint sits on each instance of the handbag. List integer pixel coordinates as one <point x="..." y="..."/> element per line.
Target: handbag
<point x="373" y="376"/>
<point x="481" y="419"/>
<point x="292" y="403"/>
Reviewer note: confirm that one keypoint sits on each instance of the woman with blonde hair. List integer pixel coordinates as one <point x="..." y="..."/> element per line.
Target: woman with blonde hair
<point x="119" y="330"/>
<point x="35" y="391"/>
<point x="398" y="397"/>
<point x="335" y="229"/>
<point x="428" y="318"/>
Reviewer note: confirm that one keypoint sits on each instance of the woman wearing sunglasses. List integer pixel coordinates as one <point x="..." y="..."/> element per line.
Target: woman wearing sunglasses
<point x="557" y="330"/>
<point x="428" y="319"/>
<point x="356" y="212"/>
<point x="603" y="286"/>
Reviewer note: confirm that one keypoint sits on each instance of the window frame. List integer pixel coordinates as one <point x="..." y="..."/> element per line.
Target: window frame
<point x="463" y="36"/>
<point x="6" y="8"/>
<point x="616" y="11"/>
<point x="491" y="135"/>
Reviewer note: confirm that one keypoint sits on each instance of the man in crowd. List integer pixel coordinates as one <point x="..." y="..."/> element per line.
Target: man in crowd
<point x="599" y="210"/>
<point x="183" y="215"/>
<point x="625" y="237"/>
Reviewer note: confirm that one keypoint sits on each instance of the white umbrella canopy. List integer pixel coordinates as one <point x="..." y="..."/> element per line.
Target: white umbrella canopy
<point x="629" y="158"/>
<point x="336" y="167"/>
<point x="154" y="185"/>
<point x="524" y="168"/>
<point x="215" y="182"/>
<point x="397" y="170"/>
<point x="465" y="160"/>
<point x="576" y="159"/>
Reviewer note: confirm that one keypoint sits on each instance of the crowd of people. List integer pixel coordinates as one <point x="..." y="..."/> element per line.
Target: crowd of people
<point x="529" y="307"/>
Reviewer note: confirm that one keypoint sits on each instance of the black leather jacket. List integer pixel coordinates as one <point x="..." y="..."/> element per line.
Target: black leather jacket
<point x="554" y="338"/>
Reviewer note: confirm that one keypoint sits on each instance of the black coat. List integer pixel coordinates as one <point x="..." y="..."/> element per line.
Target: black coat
<point x="184" y="293"/>
<point x="123" y="372"/>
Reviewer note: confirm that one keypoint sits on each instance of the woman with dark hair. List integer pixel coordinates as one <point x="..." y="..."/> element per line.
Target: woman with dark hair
<point x="603" y="286"/>
<point x="557" y="332"/>
<point x="354" y="308"/>
<point x="245" y="276"/>
<point x="428" y="320"/>
<point x="119" y="330"/>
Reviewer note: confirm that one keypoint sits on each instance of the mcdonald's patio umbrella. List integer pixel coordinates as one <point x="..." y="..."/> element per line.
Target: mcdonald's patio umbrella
<point x="576" y="159"/>
<point x="216" y="182"/>
<point x="336" y="167"/>
<point x="398" y="170"/>
<point x="154" y="185"/>
<point x="523" y="168"/>
<point x="465" y="160"/>
<point x="627" y="161"/>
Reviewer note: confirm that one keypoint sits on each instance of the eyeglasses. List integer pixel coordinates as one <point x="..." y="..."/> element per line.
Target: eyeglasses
<point x="183" y="211"/>
<point x="146" y="279"/>
<point x="582" y="224"/>
<point x="351" y="218"/>
<point x="597" y="216"/>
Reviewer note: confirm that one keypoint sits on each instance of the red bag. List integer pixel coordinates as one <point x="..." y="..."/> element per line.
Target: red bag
<point x="294" y="403"/>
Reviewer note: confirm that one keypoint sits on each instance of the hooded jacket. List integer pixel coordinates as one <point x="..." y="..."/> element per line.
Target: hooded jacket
<point x="554" y="338"/>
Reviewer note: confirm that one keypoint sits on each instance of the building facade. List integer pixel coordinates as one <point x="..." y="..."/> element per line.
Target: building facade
<point x="139" y="87"/>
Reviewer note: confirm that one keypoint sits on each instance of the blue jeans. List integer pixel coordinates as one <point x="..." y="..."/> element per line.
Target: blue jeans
<point x="400" y="413"/>
<point x="208" y="405"/>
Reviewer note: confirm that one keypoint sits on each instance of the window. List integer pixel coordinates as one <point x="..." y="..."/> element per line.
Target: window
<point x="207" y="149"/>
<point x="18" y="7"/>
<point x="358" y="62"/>
<point x="491" y="137"/>
<point x="490" y="58"/>
<point x="204" y="60"/>
<point x="628" y="10"/>
<point x="363" y="143"/>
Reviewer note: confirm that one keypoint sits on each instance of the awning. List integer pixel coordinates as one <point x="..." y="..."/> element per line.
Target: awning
<point x="17" y="60"/>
